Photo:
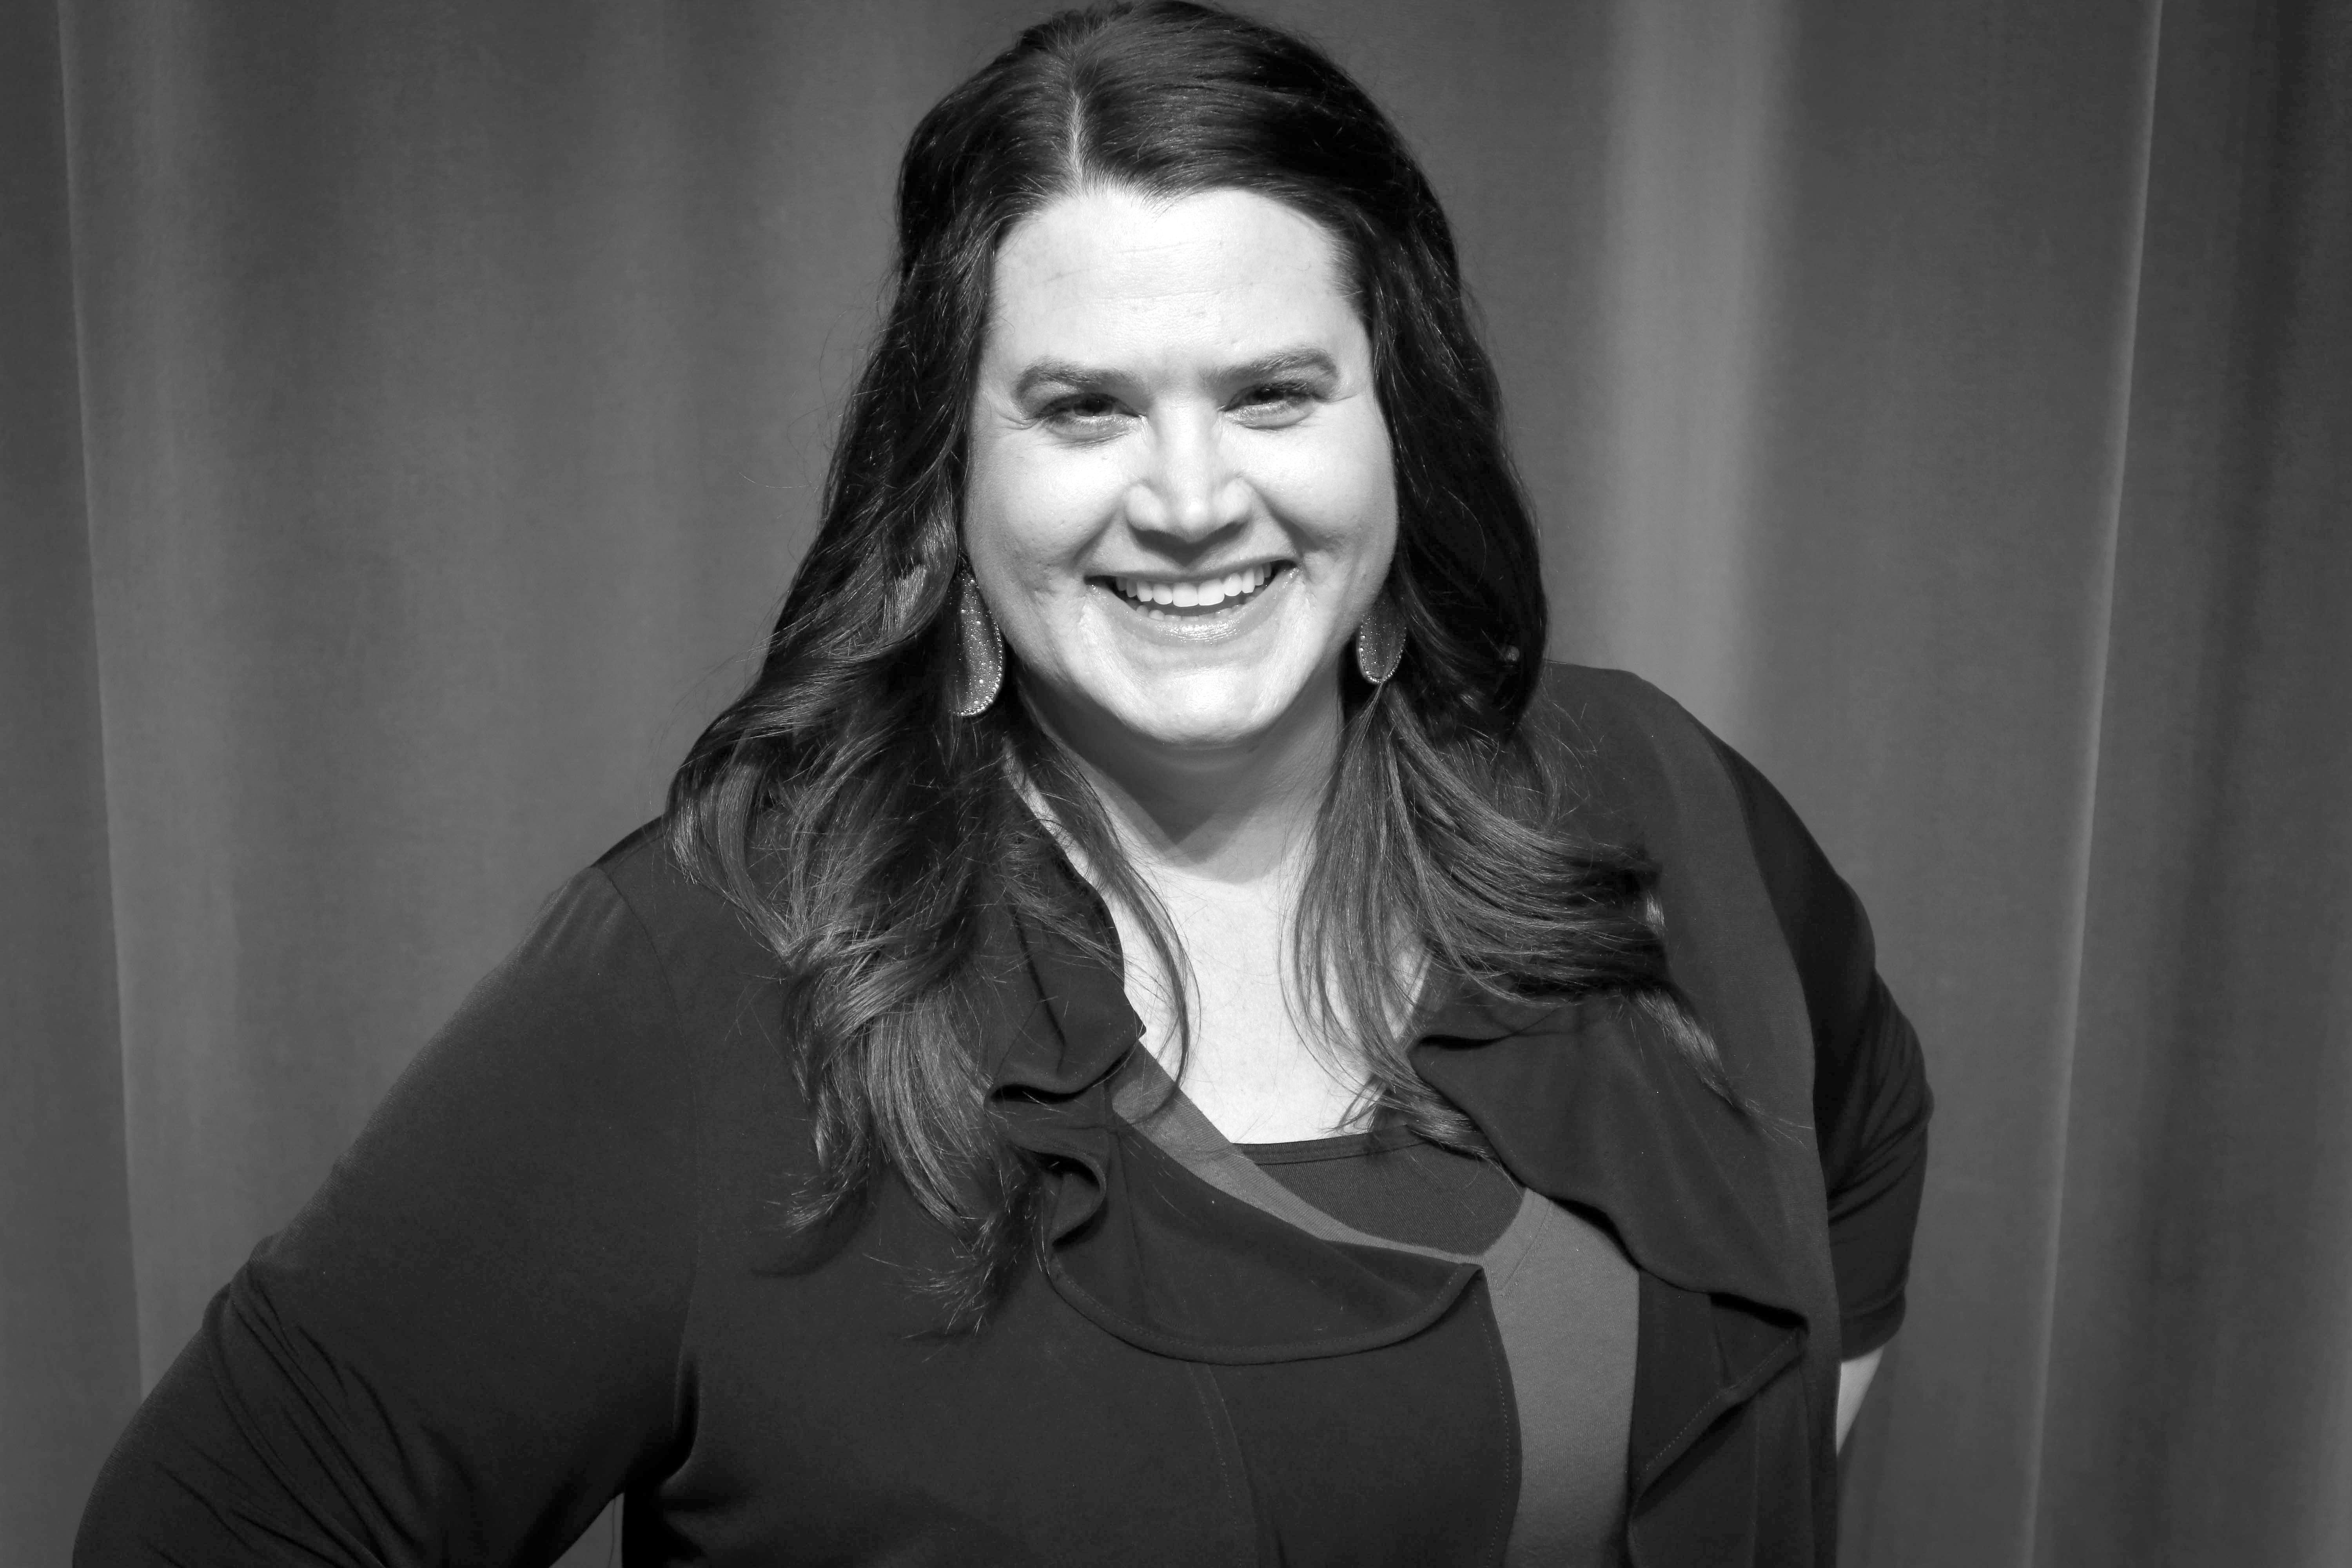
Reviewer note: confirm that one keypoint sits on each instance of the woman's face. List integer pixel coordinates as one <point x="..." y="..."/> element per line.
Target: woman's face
<point x="1180" y="499"/>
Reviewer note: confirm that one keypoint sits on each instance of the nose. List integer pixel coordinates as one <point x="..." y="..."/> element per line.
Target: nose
<point x="1190" y="492"/>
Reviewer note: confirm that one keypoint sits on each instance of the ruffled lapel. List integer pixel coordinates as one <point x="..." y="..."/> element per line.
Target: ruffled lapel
<point x="1135" y="1242"/>
<point x="1051" y="1035"/>
<point x="1055" y="1028"/>
<point x="1589" y="1103"/>
<point x="1585" y="1102"/>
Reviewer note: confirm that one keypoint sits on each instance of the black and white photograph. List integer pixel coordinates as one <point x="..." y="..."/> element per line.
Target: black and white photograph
<point x="1347" y="784"/>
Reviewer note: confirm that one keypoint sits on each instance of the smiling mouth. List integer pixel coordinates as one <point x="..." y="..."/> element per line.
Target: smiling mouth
<point x="1194" y="598"/>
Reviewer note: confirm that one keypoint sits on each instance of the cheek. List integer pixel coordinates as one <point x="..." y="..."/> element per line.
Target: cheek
<point x="1027" y="515"/>
<point x="1340" y="491"/>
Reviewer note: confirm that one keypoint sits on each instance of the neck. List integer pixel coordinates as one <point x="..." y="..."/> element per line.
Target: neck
<point x="1239" y="814"/>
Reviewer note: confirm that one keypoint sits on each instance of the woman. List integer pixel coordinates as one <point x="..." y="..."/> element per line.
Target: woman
<point x="1158" y="1031"/>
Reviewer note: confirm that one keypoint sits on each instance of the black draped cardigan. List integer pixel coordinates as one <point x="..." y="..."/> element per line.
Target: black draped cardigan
<point x="550" y="1269"/>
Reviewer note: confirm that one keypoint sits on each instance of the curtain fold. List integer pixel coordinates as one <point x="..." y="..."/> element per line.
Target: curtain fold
<point x="410" y="416"/>
<point x="68" y="1347"/>
<point x="2200" y="1398"/>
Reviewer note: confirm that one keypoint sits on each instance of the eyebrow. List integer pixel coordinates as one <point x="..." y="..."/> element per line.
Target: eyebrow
<point x="1266" y="367"/>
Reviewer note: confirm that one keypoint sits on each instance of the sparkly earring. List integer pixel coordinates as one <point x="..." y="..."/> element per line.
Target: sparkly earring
<point x="1379" y="640"/>
<point x="980" y="667"/>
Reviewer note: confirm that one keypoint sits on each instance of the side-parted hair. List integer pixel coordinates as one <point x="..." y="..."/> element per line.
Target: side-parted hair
<point x="860" y="826"/>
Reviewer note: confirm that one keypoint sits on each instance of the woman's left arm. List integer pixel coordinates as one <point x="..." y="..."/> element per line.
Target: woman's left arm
<point x="1871" y="1102"/>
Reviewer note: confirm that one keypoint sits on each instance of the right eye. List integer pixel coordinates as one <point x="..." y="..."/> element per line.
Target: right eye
<point x="1082" y="410"/>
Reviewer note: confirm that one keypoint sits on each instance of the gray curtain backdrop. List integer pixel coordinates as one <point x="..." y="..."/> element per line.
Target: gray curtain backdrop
<point x="411" y="412"/>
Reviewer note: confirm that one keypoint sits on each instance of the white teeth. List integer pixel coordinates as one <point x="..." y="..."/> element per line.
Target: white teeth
<point x="1205" y="595"/>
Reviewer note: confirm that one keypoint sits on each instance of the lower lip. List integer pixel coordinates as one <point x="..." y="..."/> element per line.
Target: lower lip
<point x="1196" y="626"/>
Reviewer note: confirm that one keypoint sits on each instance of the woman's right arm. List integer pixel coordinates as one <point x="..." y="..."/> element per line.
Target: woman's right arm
<point x="469" y="1341"/>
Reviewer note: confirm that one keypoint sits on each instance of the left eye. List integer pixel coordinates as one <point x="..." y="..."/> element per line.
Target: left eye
<point x="1276" y="403"/>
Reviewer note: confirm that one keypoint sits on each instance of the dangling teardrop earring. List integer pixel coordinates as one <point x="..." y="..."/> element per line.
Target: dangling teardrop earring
<point x="1379" y="640"/>
<point x="980" y="647"/>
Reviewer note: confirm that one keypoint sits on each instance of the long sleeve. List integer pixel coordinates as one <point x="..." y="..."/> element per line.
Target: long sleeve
<point x="1871" y="1100"/>
<point x="469" y="1341"/>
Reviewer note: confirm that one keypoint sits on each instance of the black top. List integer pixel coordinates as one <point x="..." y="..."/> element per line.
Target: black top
<point x="1562" y="1293"/>
<point x="550" y="1269"/>
<point x="1392" y="1183"/>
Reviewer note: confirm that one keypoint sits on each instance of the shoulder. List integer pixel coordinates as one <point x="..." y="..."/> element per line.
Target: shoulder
<point x="646" y="876"/>
<point x="721" y="983"/>
<point x="693" y="932"/>
<point x="591" y="991"/>
<point x="632" y="971"/>
<point x="1584" y="704"/>
<point x="1626" y="745"/>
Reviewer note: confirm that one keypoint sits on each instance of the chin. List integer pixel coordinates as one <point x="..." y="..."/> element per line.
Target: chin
<point x="1191" y="719"/>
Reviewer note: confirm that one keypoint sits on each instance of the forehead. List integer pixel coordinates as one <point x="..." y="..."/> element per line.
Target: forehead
<point x="1108" y="270"/>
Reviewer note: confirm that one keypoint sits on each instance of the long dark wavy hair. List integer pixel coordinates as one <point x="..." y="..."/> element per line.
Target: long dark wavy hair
<point x="861" y="827"/>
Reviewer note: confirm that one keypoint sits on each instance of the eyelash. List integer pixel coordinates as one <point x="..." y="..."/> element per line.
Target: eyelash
<point x="1282" y="392"/>
<point x="1258" y="397"/>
